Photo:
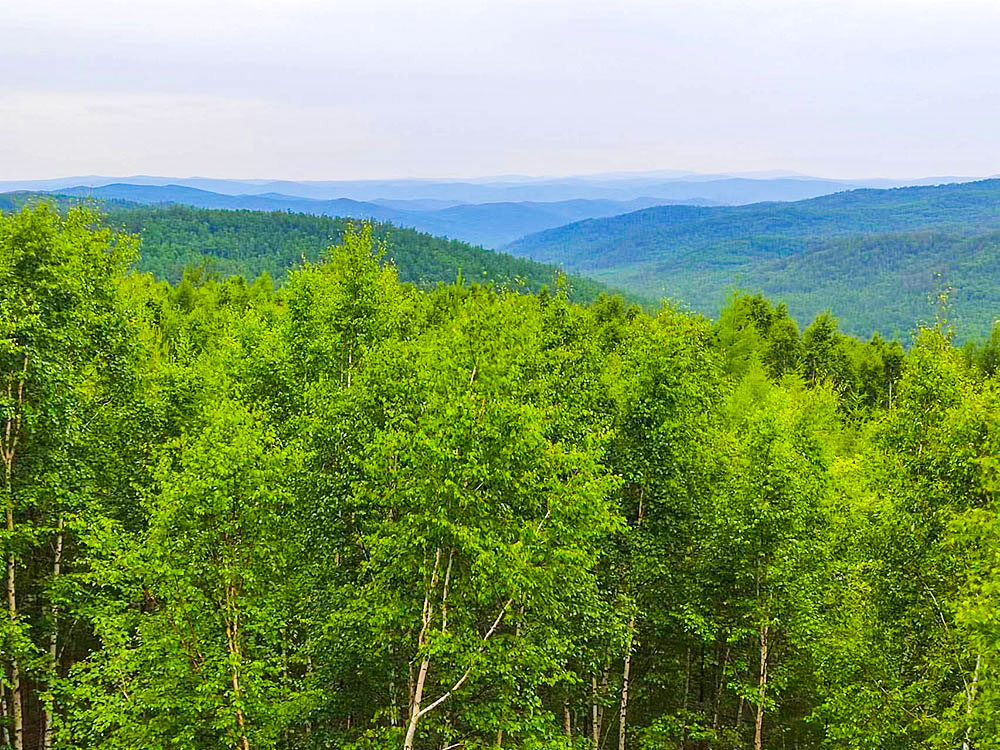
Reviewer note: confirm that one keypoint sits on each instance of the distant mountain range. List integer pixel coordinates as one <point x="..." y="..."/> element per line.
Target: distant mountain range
<point x="488" y="224"/>
<point x="664" y="186"/>
<point x="490" y="212"/>
<point x="876" y="257"/>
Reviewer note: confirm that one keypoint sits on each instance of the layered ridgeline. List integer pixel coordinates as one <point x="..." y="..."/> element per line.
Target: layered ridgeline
<point x="490" y="224"/>
<point x="491" y="214"/>
<point x="663" y="185"/>
<point x="249" y="243"/>
<point x="876" y="257"/>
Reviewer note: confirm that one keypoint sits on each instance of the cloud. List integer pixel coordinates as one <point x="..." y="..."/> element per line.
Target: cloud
<point x="376" y="88"/>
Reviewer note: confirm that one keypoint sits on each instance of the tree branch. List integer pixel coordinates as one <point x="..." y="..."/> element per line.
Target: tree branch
<point x="465" y="675"/>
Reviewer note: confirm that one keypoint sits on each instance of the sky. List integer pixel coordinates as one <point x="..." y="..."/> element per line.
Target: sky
<point x="359" y="89"/>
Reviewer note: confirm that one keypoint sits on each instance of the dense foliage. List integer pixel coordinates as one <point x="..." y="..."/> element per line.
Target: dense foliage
<point x="874" y="256"/>
<point x="357" y="513"/>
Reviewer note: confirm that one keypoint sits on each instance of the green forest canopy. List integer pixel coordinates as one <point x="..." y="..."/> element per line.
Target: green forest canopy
<point x="355" y="513"/>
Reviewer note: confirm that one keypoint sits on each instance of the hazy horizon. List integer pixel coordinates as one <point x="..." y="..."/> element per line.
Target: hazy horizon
<point x="516" y="178"/>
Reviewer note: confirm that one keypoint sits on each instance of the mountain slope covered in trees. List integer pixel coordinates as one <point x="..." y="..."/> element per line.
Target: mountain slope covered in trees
<point x="249" y="243"/>
<point x="874" y="256"/>
<point x="226" y="243"/>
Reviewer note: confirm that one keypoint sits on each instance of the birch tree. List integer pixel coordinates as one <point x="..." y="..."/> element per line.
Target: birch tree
<point x="64" y="362"/>
<point x="474" y="519"/>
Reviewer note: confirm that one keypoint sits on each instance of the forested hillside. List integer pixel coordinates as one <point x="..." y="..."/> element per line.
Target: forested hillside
<point x="249" y="243"/>
<point x="355" y="513"/>
<point x="227" y="243"/>
<point x="874" y="256"/>
<point x="891" y="282"/>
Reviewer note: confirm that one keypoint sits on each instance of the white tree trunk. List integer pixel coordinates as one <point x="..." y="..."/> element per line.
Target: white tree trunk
<point x="54" y="635"/>
<point x="8" y="448"/>
<point x="623" y="707"/>
<point x="970" y="698"/>
<point x="16" y="699"/>
<point x="761" y="690"/>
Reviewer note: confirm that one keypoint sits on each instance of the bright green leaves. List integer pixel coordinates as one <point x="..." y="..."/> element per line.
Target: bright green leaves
<point x="915" y="568"/>
<point x="205" y="649"/>
<point x="353" y="514"/>
<point x="469" y="514"/>
<point x="338" y="310"/>
<point x="66" y="369"/>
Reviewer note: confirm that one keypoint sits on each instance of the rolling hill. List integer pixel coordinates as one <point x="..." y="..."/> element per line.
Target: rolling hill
<point x="873" y="256"/>
<point x="189" y="196"/>
<point x="249" y="243"/>
<point x="891" y="282"/>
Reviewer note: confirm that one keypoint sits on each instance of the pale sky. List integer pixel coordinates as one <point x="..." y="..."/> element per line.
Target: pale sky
<point x="353" y="89"/>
